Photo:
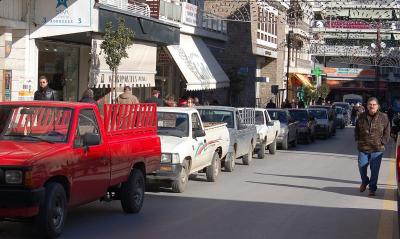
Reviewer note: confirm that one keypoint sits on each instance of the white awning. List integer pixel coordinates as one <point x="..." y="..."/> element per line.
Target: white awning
<point x="138" y="70"/>
<point x="197" y="64"/>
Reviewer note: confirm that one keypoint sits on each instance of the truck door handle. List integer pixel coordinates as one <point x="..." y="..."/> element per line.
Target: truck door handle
<point x="205" y="141"/>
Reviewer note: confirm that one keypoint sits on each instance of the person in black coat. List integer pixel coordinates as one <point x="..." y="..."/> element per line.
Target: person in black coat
<point x="271" y="104"/>
<point x="45" y="92"/>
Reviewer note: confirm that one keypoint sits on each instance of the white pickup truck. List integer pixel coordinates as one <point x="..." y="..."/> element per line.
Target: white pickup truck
<point x="188" y="146"/>
<point x="243" y="136"/>
<point x="267" y="132"/>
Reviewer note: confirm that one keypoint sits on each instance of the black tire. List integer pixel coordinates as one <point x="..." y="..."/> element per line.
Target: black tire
<point x="249" y="156"/>
<point x="53" y="212"/>
<point x="295" y="142"/>
<point x="342" y="126"/>
<point x="309" y="138"/>
<point x="213" y="170"/>
<point x="272" y="147"/>
<point x="230" y="162"/>
<point x="285" y="143"/>
<point x="179" y="184"/>
<point x="261" y="151"/>
<point x="313" y="137"/>
<point x="132" y="192"/>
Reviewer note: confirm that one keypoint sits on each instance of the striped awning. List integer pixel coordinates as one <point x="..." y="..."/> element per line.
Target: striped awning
<point x="303" y="79"/>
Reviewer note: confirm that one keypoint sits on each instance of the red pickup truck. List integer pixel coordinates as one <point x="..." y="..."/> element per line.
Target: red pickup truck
<point x="58" y="155"/>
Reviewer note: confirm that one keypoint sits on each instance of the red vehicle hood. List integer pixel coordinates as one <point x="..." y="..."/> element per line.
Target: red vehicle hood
<point x="13" y="153"/>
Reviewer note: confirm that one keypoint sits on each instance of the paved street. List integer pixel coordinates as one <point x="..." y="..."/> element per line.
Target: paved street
<point x="307" y="192"/>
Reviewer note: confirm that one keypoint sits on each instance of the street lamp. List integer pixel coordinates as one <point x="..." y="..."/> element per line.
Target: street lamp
<point x="288" y="42"/>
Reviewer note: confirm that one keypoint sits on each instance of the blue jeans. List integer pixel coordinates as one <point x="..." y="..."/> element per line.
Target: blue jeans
<point x="374" y="161"/>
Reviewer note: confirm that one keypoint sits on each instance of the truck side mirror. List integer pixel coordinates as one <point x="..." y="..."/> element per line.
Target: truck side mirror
<point x="198" y="133"/>
<point x="90" y="139"/>
<point x="270" y="123"/>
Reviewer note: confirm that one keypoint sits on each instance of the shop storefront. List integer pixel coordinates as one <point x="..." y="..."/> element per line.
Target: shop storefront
<point x="59" y="62"/>
<point x="194" y="71"/>
<point x="298" y="81"/>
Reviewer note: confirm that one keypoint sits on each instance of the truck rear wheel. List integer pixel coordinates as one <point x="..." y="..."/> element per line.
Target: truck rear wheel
<point x="248" y="157"/>
<point x="213" y="170"/>
<point x="132" y="192"/>
<point x="272" y="147"/>
<point x="230" y="162"/>
<point x="179" y="184"/>
<point x="53" y="212"/>
<point x="261" y="151"/>
<point x="285" y="143"/>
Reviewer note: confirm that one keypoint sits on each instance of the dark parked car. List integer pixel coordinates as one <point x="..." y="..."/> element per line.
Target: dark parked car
<point x="331" y="115"/>
<point x="306" y="124"/>
<point x="340" y="121"/>
<point x="324" y="126"/>
<point x="288" y="131"/>
<point x="347" y="111"/>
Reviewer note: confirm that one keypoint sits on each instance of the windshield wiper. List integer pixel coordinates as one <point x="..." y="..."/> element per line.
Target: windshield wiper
<point x="30" y="136"/>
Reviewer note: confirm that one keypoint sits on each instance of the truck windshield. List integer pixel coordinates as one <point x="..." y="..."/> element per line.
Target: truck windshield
<point x="259" y="118"/>
<point x="319" y="114"/>
<point x="23" y="123"/>
<point x="173" y="124"/>
<point x="299" y="115"/>
<point x="278" y="115"/>
<point x="211" y="115"/>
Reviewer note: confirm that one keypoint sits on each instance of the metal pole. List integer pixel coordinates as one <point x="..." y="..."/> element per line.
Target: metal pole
<point x="288" y="63"/>
<point x="378" y="55"/>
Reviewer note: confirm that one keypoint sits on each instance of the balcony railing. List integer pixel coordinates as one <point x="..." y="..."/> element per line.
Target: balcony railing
<point x="354" y="24"/>
<point x="129" y="6"/>
<point x="204" y="20"/>
<point x="299" y="24"/>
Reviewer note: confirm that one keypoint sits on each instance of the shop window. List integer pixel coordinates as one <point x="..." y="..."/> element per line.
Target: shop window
<point x="60" y="64"/>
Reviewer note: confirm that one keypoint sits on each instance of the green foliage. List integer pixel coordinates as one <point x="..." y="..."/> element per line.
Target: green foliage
<point x="310" y="94"/>
<point x="116" y="43"/>
<point x="323" y="91"/>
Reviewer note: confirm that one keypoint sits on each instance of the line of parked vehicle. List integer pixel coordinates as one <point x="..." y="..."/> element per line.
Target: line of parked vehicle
<point x="58" y="155"/>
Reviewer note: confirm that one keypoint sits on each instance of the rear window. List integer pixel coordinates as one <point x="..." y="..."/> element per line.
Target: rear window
<point x="278" y="115"/>
<point x="319" y="114"/>
<point x="220" y="116"/>
<point x="299" y="115"/>
<point x="259" y="118"/>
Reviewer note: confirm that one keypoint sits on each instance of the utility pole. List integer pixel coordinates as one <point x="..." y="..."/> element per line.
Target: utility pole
<point x="288" y="41"/>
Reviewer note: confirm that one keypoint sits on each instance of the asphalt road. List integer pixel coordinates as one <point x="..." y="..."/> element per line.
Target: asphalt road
<point x="307" y="192"/>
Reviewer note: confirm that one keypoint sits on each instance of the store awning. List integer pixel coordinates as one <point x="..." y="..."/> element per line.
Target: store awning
<point x="137" y="70"/>
<point x="303" y="79"/>
<point x="197" y="64"/>
<point x="370" y="13"/>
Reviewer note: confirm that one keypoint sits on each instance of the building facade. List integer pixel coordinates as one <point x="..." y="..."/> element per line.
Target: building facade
<point x="358" y="48"/>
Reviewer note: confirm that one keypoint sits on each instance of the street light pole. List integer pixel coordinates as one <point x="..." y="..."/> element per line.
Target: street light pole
<point x="288" y="41"/>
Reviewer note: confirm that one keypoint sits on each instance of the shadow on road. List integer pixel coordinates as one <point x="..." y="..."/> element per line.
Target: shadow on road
<point x="352" y="191"/>
<point x="171" y="217"/>
<point x="318" y="178"/>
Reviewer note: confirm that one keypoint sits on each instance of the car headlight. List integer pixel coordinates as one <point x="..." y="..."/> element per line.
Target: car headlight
<point x="13" y="176"/>
<point x="170" y="158"/>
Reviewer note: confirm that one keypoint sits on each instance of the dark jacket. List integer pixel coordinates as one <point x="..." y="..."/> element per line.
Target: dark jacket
<point x="153" y="99"/>
<point x="45" y="94"/>
<point x="271" y="105"/>
<point x="127" y="98"/>
<point x="372" y="132"/>
<point x="88" y="100"/>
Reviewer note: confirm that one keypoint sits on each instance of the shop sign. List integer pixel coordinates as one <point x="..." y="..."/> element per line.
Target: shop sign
<point x="76" y="13"/>
<point x="349" y="72"/>
<point x="265" y="52"/>
<point x="126" y="78"/>
<point x="189" y="14"/>
<point x="26" y="93"/>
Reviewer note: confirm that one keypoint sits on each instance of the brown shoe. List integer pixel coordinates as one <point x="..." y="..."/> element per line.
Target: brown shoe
<point x="371" y="193"/>
<point x="363" y="187"/>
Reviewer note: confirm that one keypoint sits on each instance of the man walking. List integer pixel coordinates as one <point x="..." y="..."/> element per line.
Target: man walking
<point x="44" y="92"/>
<point x="127" y="97"/>
<point x="271" y="104"/>
<point x="372" y="132"/>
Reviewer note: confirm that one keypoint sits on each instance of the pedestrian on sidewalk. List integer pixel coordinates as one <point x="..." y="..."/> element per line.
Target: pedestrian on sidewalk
<point x="127" y="97"/>
<point x="271" y="104"/>
<point x="155" y="98"/>
<point x="372" y="133"/>
<point x="45" y="92"/>
<point x="88" y="97"/>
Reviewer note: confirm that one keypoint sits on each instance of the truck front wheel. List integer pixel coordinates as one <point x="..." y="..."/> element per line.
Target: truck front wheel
<point x="132" y="192"/>
<point x="213" y="170"/>
<point x="249" y="156"/>
<point x="261" y="151"/>
<point x="179" y="184"/>
<point x="272" y="147"/>
<point x="230" y="162"/>
<point x="53" y="212"/>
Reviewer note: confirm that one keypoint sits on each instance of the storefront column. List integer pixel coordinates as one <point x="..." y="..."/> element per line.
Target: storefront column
<point x="5" y="35"/>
